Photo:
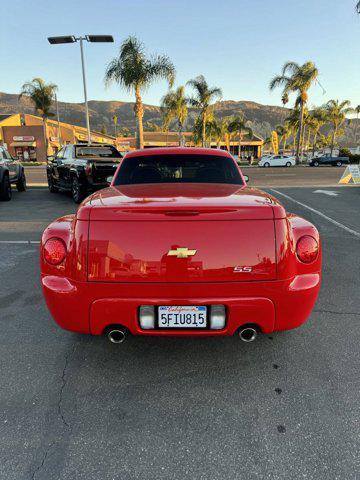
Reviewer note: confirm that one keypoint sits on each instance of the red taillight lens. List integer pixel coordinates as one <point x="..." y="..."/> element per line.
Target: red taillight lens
<point x="88" y="170"/>
<point x="54" y="251"/>
<point x="307" y="249"/>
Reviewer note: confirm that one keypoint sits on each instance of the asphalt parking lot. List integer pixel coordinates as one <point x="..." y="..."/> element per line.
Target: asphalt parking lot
<point x="77" y="407"/>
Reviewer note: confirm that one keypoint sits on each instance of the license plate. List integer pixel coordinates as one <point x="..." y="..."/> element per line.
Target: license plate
<point x="183" y="316"/>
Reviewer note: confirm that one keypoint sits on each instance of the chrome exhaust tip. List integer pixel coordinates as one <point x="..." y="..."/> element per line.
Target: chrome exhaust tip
<point x="116" y="335"/>
<point x="248" y="334"/>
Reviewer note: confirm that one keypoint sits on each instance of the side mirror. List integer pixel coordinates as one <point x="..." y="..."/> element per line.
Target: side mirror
<point x="246" y="178"/>
<point x="109" y="179"/>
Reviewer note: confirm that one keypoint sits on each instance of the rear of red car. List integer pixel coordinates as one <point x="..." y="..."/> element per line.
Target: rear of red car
<point x="170" y="257"/>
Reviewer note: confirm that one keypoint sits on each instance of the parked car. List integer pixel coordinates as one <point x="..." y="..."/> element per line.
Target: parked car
<point x="328" y="160"/>
<point x="179" y="245"/>
<point x="82" y="169"/>
<point x="277" y="161"/>
<point x="11" y="172"/>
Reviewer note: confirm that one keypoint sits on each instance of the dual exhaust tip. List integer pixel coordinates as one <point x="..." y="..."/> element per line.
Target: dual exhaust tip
<point x="118" y="335"/>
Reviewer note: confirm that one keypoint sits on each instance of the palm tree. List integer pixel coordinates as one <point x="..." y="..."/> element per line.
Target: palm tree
<point x="336" y="114"/>
<point x="238" y="124"/>
<point x="357" y="111"/>
<point x="204" y="96"/>
<point x="357" y="7"/>
<point x="174" y="106"/>
<point x="134" y="72"/>
<point x="297" y="78"/>
<point x="284" y="132"/>
<point x="317" y="118"/>
<point x="41" y="94"/>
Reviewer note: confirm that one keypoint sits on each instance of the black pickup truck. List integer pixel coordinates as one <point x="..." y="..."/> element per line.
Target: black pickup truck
<point x="328" y="160"/>
<point x="82" y="169"/>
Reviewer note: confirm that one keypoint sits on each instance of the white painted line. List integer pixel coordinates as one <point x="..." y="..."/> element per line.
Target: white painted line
<point x="330" y="193"/>
<point x="329" y="219"/>
<point x="20" y="242"/>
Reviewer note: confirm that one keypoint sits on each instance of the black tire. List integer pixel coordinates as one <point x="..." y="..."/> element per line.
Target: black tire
<point x="52" y="188"/>
<point x="316" y="164"/>
<point x="5" y="189"/>
<point x="266" y="164"/>
<point x="339" y="163"/>
<point x="288" y="164"/>
<point x="77" y="190"/>
<point x="21" y="183"/>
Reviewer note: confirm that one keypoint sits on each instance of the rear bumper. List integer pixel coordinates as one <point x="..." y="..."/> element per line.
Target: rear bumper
<point x="90" y="307"/>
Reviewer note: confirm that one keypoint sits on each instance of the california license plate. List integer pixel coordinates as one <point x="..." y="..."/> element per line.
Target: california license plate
<point x="183" y="316"/>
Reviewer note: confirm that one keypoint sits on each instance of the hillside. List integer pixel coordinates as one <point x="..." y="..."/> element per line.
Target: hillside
<point x="263" y="118"/>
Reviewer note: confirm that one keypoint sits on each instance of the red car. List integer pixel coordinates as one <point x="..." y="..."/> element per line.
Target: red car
<point x="179" y="245"/>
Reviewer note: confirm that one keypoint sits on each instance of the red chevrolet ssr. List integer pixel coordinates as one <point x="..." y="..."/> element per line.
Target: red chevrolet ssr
<point x="179" y="245"/>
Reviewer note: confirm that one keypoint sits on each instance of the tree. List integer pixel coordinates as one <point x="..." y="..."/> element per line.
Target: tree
<point x="284" y="132"/>
<point x="174" y="106"/>
<point x="104" y="130"/>
<point x="357" y="111"/>
<point x="204" y="96"/>
<point x="41" y="94"/>
<point x="238" y="124"/>
<point x="317" y="118"/>
<point x="297" y="79"/>
<point x="134" y="71"/>
<point x="357" y="7"/>
<point x="336" y="114"/>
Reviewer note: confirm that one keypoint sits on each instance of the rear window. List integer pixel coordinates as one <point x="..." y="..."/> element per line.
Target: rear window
<point x="178" y="169"/>
<point x="96" y="152"/>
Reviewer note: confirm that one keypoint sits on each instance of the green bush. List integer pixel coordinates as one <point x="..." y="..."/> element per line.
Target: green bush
<point x="345" y="152"/>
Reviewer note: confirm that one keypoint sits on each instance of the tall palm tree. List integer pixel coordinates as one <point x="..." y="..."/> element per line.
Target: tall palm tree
<point x="298" y="79"/>
<point x="357" y="7"/>
<point x="336" y="114"/>
<point x="134" y="72"/>
<point x="41" y="94"/>
<point x="203" y="99"/>
<point x="174" y="106"/>
<point x="239" y="124"/>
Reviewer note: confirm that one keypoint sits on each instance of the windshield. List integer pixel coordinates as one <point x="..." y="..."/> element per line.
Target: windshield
<point x="96" y="152"/>
<point x="178" y="169"/>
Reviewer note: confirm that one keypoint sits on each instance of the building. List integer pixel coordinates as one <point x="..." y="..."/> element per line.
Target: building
<point x="24" y="135"/>
<point x="250" y="146"/>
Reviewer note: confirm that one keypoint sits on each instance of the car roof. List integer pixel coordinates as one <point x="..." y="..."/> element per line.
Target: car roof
<point x="178" y="151"/>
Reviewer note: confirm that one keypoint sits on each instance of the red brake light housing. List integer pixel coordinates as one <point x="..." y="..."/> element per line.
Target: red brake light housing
<point x="54" y="251"/>
<point x="307" y="249"/>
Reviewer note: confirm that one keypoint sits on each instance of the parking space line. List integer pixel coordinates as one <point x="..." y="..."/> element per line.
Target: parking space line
<point x="20" y="242"/>
<point x="329" y="219"/>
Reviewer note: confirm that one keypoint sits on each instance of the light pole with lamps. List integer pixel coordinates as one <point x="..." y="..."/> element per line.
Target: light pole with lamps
<point x="87" y="38"/>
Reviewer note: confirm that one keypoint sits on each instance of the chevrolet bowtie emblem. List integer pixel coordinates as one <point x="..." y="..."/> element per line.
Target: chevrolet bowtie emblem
<point x="181" y="253"/>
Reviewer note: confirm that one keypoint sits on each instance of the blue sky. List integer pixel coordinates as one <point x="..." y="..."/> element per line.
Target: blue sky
<point x="237" y="44"/>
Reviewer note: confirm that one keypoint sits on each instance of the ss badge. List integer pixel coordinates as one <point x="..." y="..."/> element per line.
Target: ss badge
<point x="239" y="269"/>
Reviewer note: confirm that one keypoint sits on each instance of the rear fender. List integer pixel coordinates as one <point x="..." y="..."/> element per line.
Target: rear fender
<point x="74" y="234"/>
<point x="288" y="231"/>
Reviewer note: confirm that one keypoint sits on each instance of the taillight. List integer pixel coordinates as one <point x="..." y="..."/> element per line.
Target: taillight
<point x="88" y="170"/>
<point x="54" y="251"/>
<point x="307" y="249"/>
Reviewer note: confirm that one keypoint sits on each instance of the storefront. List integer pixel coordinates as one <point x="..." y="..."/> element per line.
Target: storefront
<point x="24" y="147"/>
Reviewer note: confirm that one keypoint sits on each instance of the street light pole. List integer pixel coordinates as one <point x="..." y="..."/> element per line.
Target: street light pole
<point x="81" y="39"/>
<point x="87" y="38"/>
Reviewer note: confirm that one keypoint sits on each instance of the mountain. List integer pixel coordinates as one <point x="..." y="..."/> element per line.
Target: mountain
<point x="262" y="118"/>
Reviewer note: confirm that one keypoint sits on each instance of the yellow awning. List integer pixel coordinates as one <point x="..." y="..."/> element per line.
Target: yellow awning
<point x="23" y="144"/>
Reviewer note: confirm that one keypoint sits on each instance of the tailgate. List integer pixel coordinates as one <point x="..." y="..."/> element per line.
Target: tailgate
<point x="185" y="250"/>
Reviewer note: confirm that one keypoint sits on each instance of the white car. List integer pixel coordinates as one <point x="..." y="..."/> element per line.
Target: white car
<point x="277" y="161"/>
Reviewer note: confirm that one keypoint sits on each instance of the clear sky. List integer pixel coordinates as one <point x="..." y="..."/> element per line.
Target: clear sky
<point x="237" y="45"/>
